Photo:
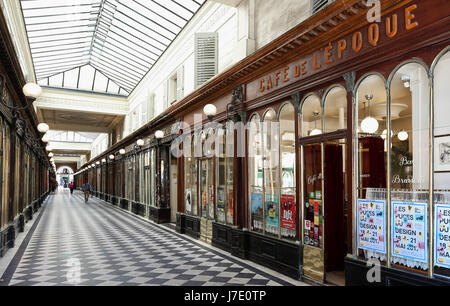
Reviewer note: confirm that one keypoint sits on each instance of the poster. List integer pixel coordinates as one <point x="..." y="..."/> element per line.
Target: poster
<point x="257" y="210"/>
<point x="288" y="212"/>
<point x="221" y="199"/>
<point x="188" y="201"/>
<point x="272" y="213"/>
<point x="442" y="236"/>
<point x="230" y="203"/>
<point x="313" y="226"/>
<point x="372" y="225"/>
<point x="409" y="230"/>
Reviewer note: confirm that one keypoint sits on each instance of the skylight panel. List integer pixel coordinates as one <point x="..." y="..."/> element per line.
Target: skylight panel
<point x="120" y="39"/>
<point x="100" y="82"/>
<point x="56" y="80"/>
<point x="113" y="88"/>
<point x="71" y="78"/>
<point x="86" y="77"/>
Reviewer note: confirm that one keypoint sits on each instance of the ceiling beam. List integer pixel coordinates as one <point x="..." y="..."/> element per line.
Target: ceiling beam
<point x="70" y="126"/>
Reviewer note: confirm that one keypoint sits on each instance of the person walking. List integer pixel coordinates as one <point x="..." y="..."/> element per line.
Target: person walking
<point x="71" y="187"/>
<point x="86" y="188"/>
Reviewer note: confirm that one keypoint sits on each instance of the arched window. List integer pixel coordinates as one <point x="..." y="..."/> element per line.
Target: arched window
<point x="311" y="115"/>
<point x="271" y="165"/>
<point x="441" y="147"/>
<point x="371" y="143"/>
<point x="335" y="112"/>
<point x="255" y="173"/>
<point x="288" y="210"/>
<point x="409" y="107"/>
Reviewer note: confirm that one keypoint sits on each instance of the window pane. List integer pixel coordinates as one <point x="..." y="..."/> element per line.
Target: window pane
<point x="255" y="171"/>
<point x="410" y="166"/>
<point x="288" y="183"/>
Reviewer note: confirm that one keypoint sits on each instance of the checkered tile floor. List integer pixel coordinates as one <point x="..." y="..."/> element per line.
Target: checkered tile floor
<point x="96" y="245"/>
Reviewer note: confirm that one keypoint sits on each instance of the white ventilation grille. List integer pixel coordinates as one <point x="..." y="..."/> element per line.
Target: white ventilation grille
<point x="317" y="5"/>
<point x="205" y="57"/>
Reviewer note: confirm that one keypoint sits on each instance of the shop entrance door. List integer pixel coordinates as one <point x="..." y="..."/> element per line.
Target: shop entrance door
<point x="335" y="213"/>
<point x="324" y="194"/>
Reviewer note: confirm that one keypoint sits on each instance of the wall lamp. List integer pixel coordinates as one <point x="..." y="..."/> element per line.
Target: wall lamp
<point x="32" y="91"/>
<point x="210" y="111"/>
<point x="159" y="134"/>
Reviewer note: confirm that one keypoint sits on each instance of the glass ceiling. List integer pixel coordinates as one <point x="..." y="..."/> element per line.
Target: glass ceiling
<point x="70" y="136"/>
<point x="101" y="45"/>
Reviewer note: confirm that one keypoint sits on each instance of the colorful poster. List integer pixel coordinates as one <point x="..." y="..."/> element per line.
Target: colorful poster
<point x="272" y="211"/>
<point x="288" y="212"/>
<point x="409" y="230"/>
<point x="230" y="202"/>
<point x="313" y="227"/>
<point x="442" y="236"/>
<point x="221" y="199"/>
<point x="257" y="210"/>
<point x="211" y="193"/>
<point x="372" y="225"/>
<point x="188" y="201"/>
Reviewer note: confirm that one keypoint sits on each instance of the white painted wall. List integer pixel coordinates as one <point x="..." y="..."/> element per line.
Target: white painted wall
<point x="242" y="27"/>
<point x="14" y="19"/>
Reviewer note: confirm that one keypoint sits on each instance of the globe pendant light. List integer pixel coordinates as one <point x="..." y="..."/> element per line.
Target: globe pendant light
<point x="316" y="131"/>
<point x="369" y="124"/>
<point x="403" y="135"/>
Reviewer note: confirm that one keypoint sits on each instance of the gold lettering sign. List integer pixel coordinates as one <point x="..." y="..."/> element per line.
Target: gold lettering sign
<point x="341" y="49"/>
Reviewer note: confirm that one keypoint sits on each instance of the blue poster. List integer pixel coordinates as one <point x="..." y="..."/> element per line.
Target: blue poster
<point x="272" y="211"/>
<point x="442" y="236"/>
<point x="372" y="225"/>
<point x="257" y="210"/>
<point x="409" y="230"/>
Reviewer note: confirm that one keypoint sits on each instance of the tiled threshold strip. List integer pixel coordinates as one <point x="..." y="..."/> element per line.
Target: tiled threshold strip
<point x="256" y="268"/>
<point x="19" y="251"/>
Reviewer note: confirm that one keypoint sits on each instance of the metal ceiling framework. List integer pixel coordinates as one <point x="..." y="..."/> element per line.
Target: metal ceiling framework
<point x="109" y="45"/>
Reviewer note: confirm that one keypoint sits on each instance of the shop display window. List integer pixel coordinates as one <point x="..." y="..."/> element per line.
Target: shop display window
<point x="441" y="171"/>
<point x="272" y="183"/>
<point x="221" y="205"/>
<point x="118" y="178"/>
<point x="229" y="172"/>
<point x="410" y="142"/>
<point x="130" y="183"/>
<point x="288" y="207"/>
<point x="372" y="167"/>
<point x="255" y="170"/>
<point x="224" y="147"/>
<point x="152" y="195"/>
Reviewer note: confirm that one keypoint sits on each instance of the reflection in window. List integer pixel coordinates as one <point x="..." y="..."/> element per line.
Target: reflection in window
<point x="410" y="163"/>
<point x="271" y="181"/>
<point x="335" y="113"/>
<point x="372" y="156"/>
<point x="224" y="175"/>
<point x="255" y="171"/>
<point x="311" y="116"/>
<point x="288" y="209"/>
<point x="442" y="165"/>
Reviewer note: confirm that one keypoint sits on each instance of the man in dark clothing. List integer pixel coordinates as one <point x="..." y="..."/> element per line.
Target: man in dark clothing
<point x="86" y="189"/>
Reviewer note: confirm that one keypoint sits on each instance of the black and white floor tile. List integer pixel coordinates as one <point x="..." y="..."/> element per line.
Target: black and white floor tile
<point x="95" y="244"/>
